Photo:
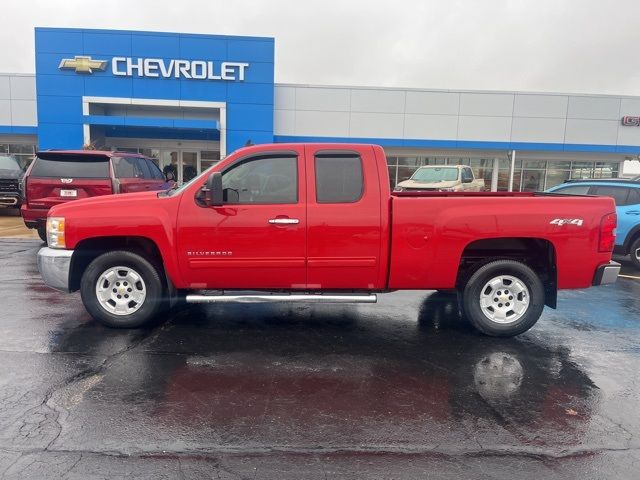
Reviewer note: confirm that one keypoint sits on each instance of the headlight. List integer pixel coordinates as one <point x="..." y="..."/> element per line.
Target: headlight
<point x="55" y="232"/>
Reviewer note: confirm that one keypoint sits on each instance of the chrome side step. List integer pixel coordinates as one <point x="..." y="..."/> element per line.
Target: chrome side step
<point x="282" y="298"/>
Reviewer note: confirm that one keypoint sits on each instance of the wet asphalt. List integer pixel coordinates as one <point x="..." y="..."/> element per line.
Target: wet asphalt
<point x="401" y="389"/>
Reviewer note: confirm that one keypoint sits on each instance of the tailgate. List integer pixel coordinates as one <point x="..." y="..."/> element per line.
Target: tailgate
<point x="61" y="177"/>
<point x="47" y="192"/>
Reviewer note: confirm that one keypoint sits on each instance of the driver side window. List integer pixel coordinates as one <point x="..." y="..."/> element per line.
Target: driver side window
<point x="266" y="179"/>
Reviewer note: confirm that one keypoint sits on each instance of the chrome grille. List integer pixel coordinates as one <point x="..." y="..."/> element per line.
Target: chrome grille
<point x="8" y="185"/>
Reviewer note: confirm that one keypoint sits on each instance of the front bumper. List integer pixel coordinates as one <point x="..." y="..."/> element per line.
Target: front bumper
<point x="54" y="266"/>
<point x="607" y="273"/>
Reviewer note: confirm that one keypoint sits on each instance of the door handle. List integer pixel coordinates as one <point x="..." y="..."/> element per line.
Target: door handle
<point x="633" y="212"/>
<point x="284" y="221"/>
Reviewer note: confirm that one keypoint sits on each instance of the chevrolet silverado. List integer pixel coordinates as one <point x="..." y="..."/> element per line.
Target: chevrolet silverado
<point x="319" y="223"/>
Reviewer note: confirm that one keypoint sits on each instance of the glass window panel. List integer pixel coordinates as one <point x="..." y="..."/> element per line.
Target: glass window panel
<point x="392" y="160"/>
<point x="411" y="161"/>
<point x="21" y="148"/>
<point x="634" y="196"/>
<point x="339" y="179"/>
<point x="405" y="172"/>
<point x="529" y="164"/>
<point x="582" y="170"/>
<point x="619" y="194"/>
<point x="574" y="190"/>
<point x="24" y="160"/>
<point x="504" y="163"/>
<point x="263" y="180"/>
<point x="210" y="155"/>
<point x="71" y="166"/>
<point x="560" y="165"/>
<point x="4" y="148"/>
<point x="532" y="180"/>
<point x="556" y="177"/>
<point x="582" y="165"/>
<point x="392" y="176"/>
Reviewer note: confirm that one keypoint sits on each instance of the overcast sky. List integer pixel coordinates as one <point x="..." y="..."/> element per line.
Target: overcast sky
<point x="537" y="45"/>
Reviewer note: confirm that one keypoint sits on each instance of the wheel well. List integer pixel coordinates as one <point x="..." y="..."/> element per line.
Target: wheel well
<point x="88" y="250"/>
<point x="633" y="235"/>
<point x="537" y="253"/>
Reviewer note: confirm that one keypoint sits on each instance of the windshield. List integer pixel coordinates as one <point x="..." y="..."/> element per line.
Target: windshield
<point x="435" y="174"/>
<point x="8" y="163"/>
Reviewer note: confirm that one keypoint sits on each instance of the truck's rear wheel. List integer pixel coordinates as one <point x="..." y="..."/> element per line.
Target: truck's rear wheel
<point x="121" y="289"/>
<point x="503" y="298"/>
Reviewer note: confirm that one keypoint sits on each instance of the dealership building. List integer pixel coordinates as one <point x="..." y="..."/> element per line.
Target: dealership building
<point x="188" y="100"/>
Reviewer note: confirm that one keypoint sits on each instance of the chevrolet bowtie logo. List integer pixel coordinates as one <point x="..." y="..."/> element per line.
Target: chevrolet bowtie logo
<point x="82" y="64"/>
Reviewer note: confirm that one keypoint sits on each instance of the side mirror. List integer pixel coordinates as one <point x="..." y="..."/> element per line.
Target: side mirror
<point x="213" y="190"/>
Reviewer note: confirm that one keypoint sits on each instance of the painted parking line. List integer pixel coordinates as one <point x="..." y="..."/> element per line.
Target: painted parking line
<point x="630" y="276"/>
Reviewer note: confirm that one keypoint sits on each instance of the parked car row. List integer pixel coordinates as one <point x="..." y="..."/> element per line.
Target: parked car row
<point x="56" y="177"/>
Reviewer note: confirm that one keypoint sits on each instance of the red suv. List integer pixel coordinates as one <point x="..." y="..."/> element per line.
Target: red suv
<point x="58" y="176"/>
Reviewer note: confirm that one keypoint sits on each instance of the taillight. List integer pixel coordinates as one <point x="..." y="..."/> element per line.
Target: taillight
<point x="608" y="232"/>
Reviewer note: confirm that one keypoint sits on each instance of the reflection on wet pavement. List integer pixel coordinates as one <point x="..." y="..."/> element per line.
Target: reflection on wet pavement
<point x="399" y="389"/>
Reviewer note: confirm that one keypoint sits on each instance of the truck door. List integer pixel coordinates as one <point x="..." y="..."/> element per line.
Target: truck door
<point x="343" y="218"/>
<point x="257" y="239"/>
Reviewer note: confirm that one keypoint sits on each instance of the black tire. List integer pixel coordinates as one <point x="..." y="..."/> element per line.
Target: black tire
<point x="472" y="294"/>
<point x="149" y="308"/>
<point x="635" y="253"/>
<point x="42" y="233"/>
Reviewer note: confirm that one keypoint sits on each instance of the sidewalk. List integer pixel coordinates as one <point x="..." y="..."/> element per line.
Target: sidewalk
<point x="11" y="225"/>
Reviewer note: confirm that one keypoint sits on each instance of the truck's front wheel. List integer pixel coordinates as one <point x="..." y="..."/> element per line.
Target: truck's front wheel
<point x="121" y="289"/>
<point x="503" y="298"/>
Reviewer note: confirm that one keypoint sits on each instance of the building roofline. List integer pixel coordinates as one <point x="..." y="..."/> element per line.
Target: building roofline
<point x="450" y="90"/>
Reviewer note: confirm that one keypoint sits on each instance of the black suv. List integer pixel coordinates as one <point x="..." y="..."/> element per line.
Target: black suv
<point x="10" y="175"/>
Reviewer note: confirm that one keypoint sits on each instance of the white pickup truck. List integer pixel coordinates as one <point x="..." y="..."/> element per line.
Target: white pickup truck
<point x="454" y="178"/>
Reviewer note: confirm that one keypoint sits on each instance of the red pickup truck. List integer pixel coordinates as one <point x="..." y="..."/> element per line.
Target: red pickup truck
<point x="318" y="223"/>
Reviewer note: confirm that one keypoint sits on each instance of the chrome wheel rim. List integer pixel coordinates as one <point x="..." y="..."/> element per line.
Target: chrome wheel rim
<point x="504" y="299"/>
<point x="121" y="290"/>
<point x="637" y="254"/>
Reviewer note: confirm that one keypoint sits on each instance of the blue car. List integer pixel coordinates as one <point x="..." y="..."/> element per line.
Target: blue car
<point x="626" y="193"/>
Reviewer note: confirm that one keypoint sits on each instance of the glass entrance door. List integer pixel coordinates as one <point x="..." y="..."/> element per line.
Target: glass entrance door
<point x="188" y="165"/>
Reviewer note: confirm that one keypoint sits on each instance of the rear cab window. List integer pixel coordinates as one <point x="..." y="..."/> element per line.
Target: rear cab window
<point x="339" y="177"/>
<point x="60" y="165"/>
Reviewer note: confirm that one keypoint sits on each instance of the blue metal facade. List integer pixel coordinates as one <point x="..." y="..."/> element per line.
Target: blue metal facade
<point x="249" y="102"/>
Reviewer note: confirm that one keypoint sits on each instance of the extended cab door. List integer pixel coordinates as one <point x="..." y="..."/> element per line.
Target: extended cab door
<point x="344" y="219"/>
<point x="257" y="239"/>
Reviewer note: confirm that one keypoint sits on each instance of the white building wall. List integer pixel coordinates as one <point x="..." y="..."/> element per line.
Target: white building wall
<point x="409" y="114"/>
<point x="18" y="101"/>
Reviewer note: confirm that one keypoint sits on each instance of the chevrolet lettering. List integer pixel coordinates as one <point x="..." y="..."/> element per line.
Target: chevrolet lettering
<point x="196" y="69"/>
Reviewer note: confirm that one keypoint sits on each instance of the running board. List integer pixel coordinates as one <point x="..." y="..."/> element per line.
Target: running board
<point x="282" y="298"/>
